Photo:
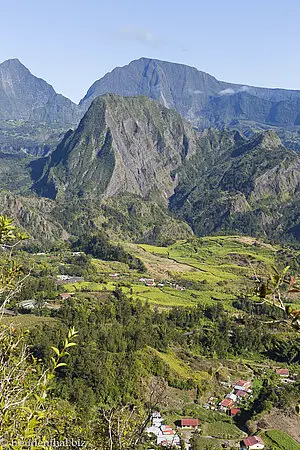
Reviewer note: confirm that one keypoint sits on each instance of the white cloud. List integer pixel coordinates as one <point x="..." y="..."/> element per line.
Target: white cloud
<point x="141" y="35"/>
<point x="230" y="91"/>
<point x="244" y="89"/>
<point x="197" y="92"/>
<point x="227" y="91"/>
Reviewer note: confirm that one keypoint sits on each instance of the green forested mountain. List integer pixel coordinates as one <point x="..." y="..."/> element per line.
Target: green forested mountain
<point x="252" y="187"/>
<point x="122" y="145"/>
<point x="214" y="180"/>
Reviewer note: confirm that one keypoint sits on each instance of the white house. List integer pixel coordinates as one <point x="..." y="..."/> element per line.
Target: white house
<point x="254" y="443"/>
<point x="232" y="396"/>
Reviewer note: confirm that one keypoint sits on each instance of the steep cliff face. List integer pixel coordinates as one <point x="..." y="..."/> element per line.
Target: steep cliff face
<point x="214" y="180"/>
<point x="122" y="145"/>
<point x="199" y="97"/>
<point x="26" y="97"/>
<point x="251" y="188"/>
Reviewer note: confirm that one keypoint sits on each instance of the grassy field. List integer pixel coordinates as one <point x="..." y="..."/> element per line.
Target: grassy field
<point x="180" y="369"/>
<point x="221" y="430"/>
<point x="223" y="265"/>
<point x="278" y="440"/>
<point x="213" y="269"/>
<point x="26" y="320"/>
<point x="202" y="443"/>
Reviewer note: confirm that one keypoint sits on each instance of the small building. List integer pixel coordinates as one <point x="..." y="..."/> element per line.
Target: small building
<point x="241" y="394"/>
<point x="254" y="443"/>
<point x="27" y="304"/>
<point x="168" y="437"/>
<point x="232" y="396"/>
<point x="65" y="295"/>
<point x="283" y="372"/>
<point x="63" y="277"/>
<point x="242" y="385"/>
<point x="226" y="404"/>
<point x="157" y="419"/>
<point x="189" y="423"/>
<point x="234" y="411"/>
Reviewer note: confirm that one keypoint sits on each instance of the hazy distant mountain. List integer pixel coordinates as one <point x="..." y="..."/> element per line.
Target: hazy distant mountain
<point x="199" y="97"/>
<point x="26" y="97"/>
<point x="33" y="117"/>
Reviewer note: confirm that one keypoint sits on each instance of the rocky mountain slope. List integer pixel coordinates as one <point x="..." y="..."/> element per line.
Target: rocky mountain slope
<point x="26" y="97"/>
<point x="199" y="97"/>
<point x="214" y="180"/>
<point x="122" y="145"/>
<point x="252" y="186"/>
<point x="32" y="115"/>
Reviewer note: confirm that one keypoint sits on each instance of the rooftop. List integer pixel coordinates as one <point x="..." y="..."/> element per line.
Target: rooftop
<point x="252" y="440"/>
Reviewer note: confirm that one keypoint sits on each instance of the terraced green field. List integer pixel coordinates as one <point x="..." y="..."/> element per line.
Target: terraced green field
<point x="278" y="440"/>
<point x="211" y="269"/>
<point x="222" y="430"/>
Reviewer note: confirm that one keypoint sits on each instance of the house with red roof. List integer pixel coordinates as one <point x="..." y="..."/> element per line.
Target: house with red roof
<point x="226" y="404"/>
<point x="234" y="411"/>
<point x="189" y="423"/>
<point x="241" y="394"/>
<point x="242" y="385"/>
<point x="283" y="372"/>
<point x="253" y="443"/>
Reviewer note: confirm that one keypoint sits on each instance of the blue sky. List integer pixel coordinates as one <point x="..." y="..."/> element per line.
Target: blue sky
<point x="71" y="43"/>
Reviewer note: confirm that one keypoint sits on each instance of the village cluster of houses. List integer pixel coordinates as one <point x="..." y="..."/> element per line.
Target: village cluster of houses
<point x="165" y="435"/>
<point x="230" y="405"/>
<point x="241" y="389"/>
<point x="152" y="282"/>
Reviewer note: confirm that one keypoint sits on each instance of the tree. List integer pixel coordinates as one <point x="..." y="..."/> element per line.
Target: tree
<point x="11" y="279"/>
<point x="27" y="411"/>
<point x="275" y="290"/>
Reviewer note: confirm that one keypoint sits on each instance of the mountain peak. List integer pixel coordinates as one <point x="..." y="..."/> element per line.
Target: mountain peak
<point x="13" y="63"/>
<point x="24" y="96"/>
<point x="198" y="96"/>
<point x="269" y="140"/>
<point x="122" y="145"/>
